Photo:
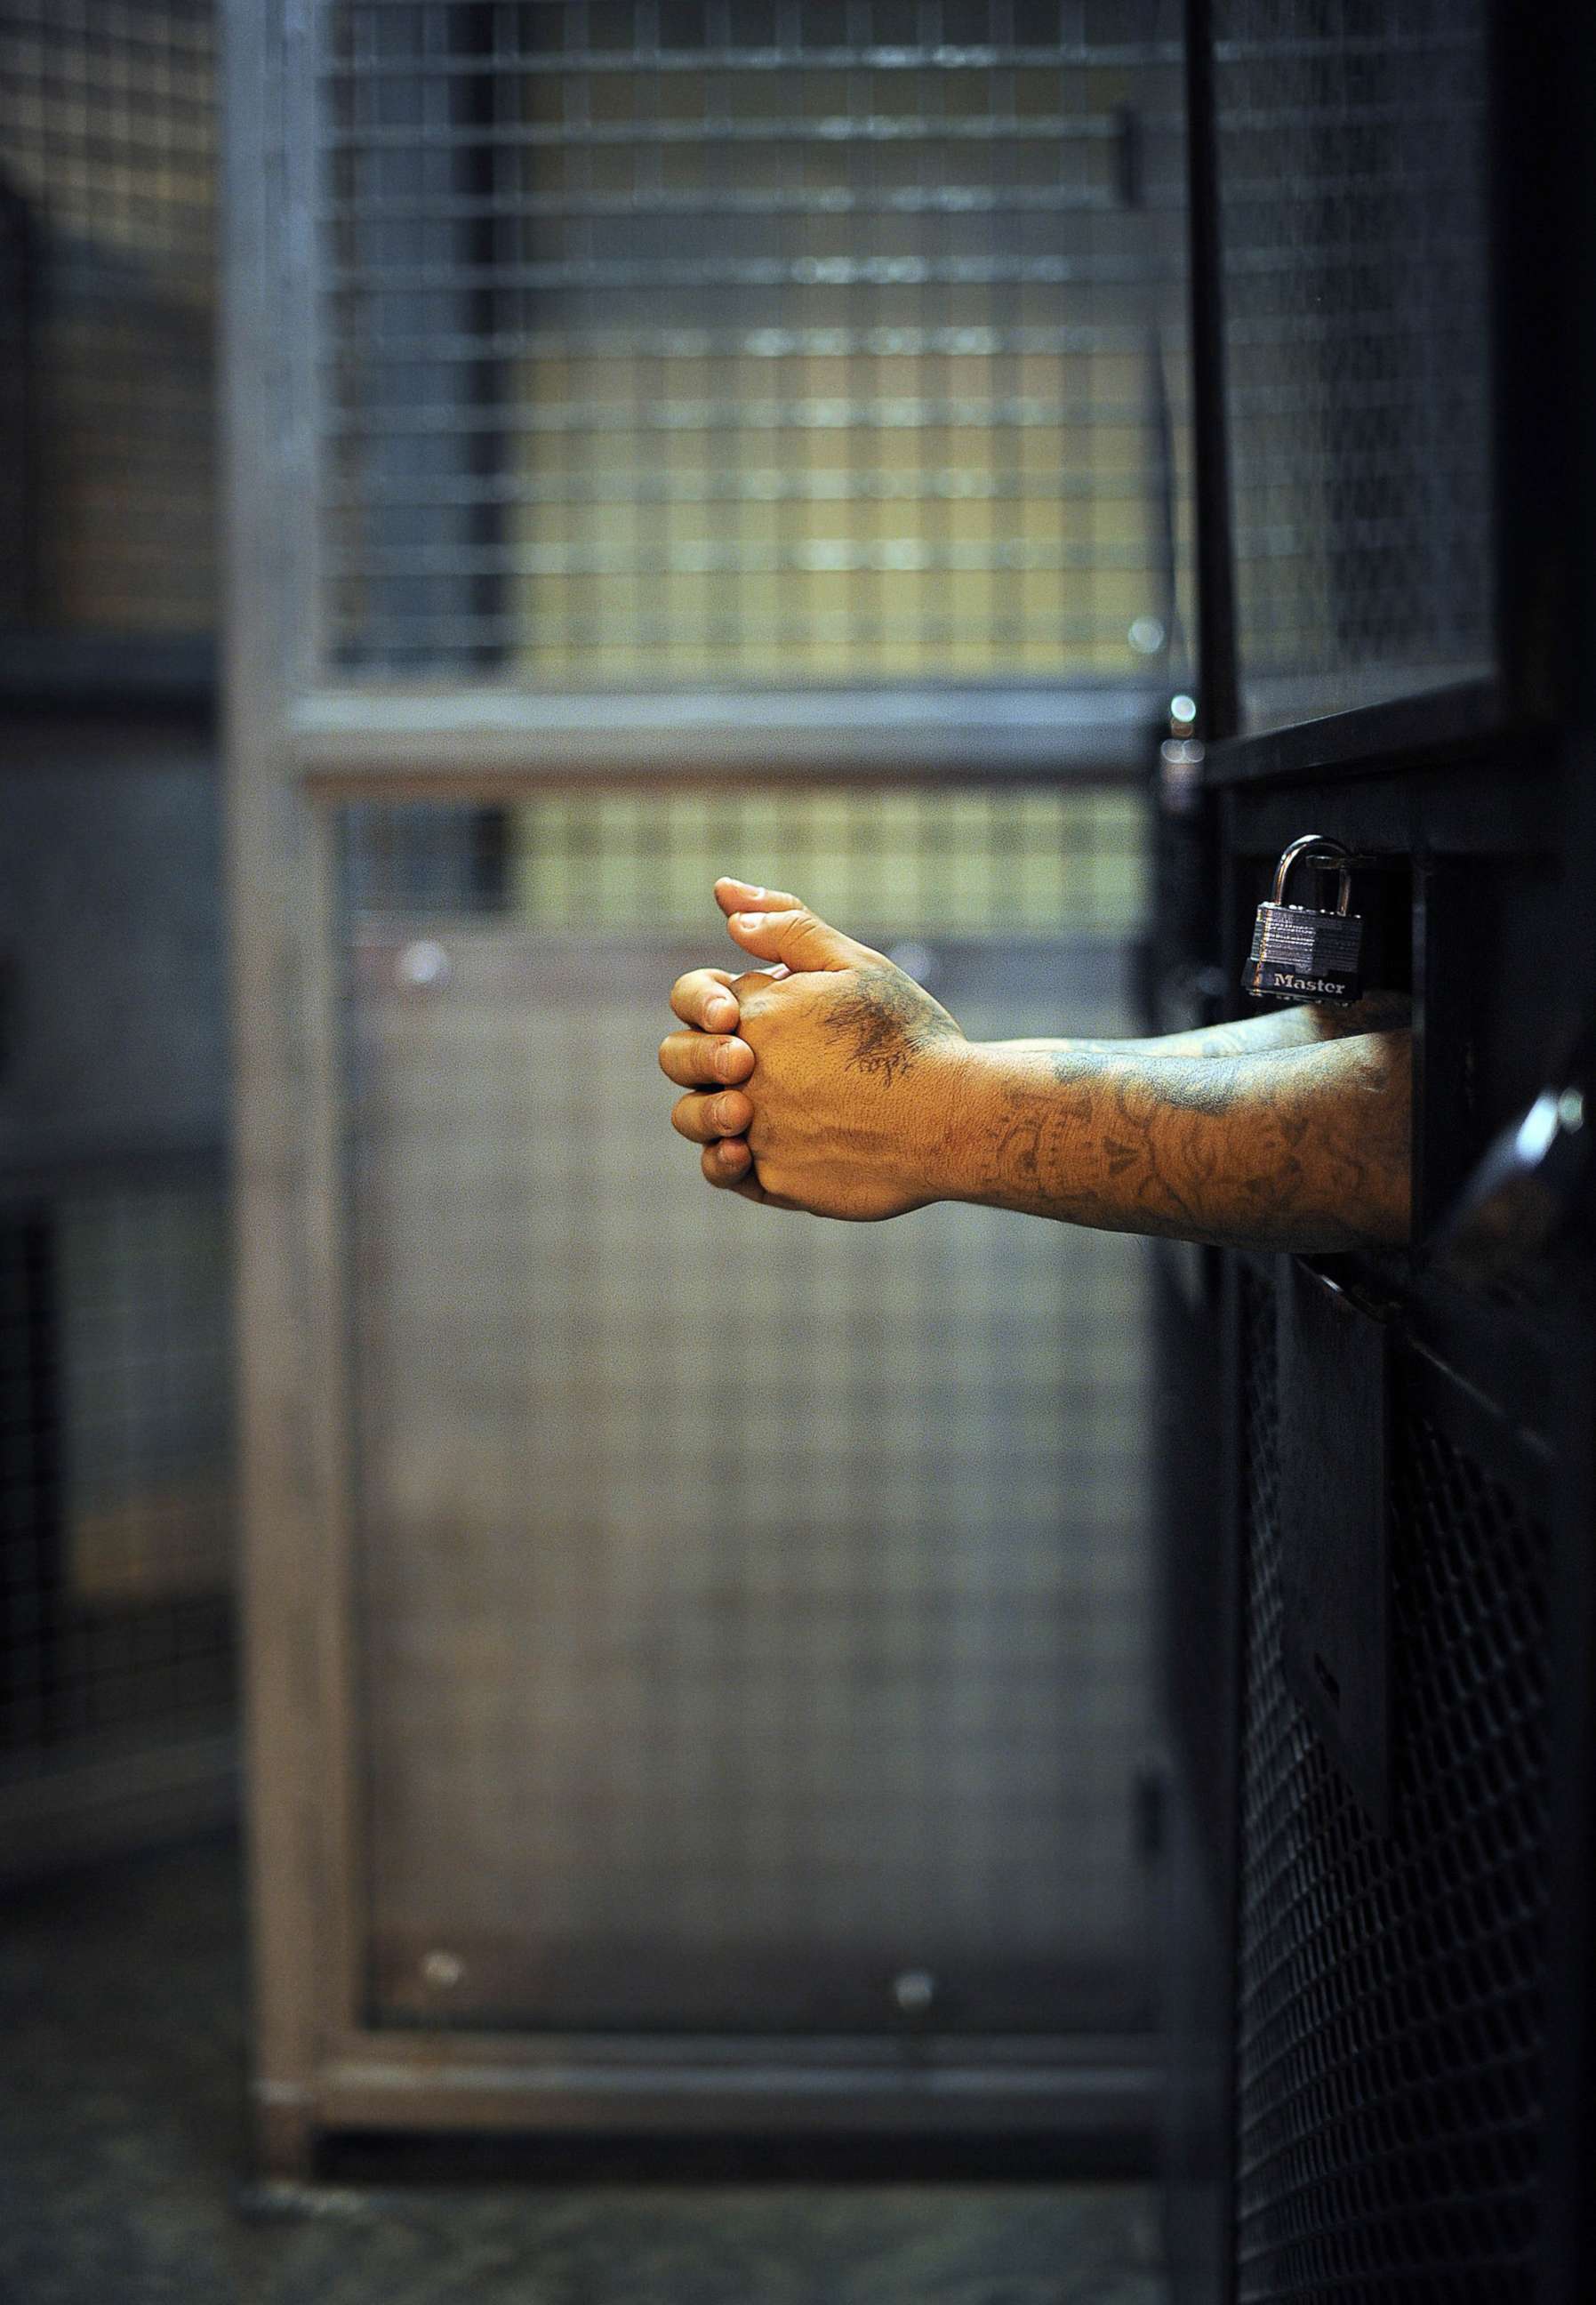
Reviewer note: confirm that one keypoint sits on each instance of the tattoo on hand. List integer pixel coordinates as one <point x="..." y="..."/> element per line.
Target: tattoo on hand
<point x="888" y="1020"/>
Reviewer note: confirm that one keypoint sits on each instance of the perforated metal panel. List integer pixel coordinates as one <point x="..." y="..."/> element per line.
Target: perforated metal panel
<point x="107" y="189"/>
<point x="752" y="1610"/>
<point x="1356" y="308"/>
<point x="1392" y="2028"/>
<point x="117" y="1476"/>
<point x="700" y="342"/>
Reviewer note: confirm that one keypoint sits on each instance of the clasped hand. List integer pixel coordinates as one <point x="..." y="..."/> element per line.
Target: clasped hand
<point x="825" y="1082"/>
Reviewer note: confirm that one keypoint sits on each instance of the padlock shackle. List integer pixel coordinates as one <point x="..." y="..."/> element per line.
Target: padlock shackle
<point x="1315" y="844"/>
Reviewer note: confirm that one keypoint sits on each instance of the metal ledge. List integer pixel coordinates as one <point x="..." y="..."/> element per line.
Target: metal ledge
<point x="1106" y="2092"/>
<point x="1371" y="740"/>
<point x="440" y="736"/>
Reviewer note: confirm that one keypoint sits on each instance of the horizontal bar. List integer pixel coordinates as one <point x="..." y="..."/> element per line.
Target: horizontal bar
<point x="753" y="485"/>
<point x="1450" y="717"/>
<point x="1050" y="129"/>
<point x="654" y="343"/>
<point x="753" y="272"/>
<point x="655" y="58"/>
<point x="968" y="412"/>
<point x="721" y="556"/>
<point x="1312" y="400"/>
<point x="1337" y="46"/>
<point x="734" y="634"/>
<point x="449" y="737"/>
<point x="1402" y="112"/>
<point x="495" y="2049"/>
<point x="1118" y="2100"/>
<point x="717" y="201"/>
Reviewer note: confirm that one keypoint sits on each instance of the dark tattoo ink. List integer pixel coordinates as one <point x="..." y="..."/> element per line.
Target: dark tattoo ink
<point x="889" y="1021"/>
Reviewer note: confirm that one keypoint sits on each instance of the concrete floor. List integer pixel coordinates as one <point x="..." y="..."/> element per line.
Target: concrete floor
<point x="123" y="2167"/>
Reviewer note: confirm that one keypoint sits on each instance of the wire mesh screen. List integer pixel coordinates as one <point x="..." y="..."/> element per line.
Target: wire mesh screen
<point x="752" y="1610"/>
<point x="108" y="202"/>
<point x="707" y="341"/>
<point x="1392" y="2026"/>
<point x="115" y="1467"/>
<point x="1351" y="168"/>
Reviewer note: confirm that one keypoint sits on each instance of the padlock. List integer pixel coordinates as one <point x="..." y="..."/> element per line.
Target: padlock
<point x="1298" y="952"/>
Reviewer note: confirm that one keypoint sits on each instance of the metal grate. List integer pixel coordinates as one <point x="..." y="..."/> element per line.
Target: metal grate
<point x="750" y="1610"/>
<point x="691" y="341"/>
<point x="1352" y="167"/>
<point x="1391" y="2025"/>
<point x="115" y="1469"/>
<point x="106" y="265"/>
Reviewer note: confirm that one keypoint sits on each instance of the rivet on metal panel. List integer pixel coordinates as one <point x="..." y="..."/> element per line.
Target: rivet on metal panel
<point x="422" y="966"/>
<point x="914" y="1990"/>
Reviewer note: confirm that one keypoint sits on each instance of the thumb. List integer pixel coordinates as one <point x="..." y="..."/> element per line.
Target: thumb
<point x="797" y="938"/>
<point x="734" y="896"/>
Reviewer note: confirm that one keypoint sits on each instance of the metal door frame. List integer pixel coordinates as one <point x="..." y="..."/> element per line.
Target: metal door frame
<point x="299" y="745"/>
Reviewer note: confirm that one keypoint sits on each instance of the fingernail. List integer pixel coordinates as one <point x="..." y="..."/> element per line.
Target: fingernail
<point x="726" y="1060"/>
<point x="720" y="1013"/>
<point x="723" y="1118"/>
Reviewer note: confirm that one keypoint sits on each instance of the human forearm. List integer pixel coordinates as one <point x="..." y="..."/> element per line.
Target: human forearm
<point x="1304" y="1148"/>
<point x="848" y="1091"/>
<point x="1271" y="1029"/>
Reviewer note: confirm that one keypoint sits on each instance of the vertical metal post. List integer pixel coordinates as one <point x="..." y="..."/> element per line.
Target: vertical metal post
<point x="1216" y="689"/>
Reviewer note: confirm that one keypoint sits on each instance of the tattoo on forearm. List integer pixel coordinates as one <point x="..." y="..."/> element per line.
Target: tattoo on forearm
<point x="1308" y="1147"/>
<point x="887" y="1022"/>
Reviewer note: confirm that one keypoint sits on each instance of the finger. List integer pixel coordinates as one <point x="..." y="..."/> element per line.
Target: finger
<point x="700" y="998"/>
<point x="747" y="897"/>
<point x="728" y="1163"/>
<point x="798" y="939"/>
<point x="729" y="1166"/>
<point x="702" y="1118"/>
<point x="704" y="1059"/>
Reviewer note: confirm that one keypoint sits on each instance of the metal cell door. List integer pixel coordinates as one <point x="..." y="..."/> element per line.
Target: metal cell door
<point x="665" y="441"/>
<point x="1383" y="1854"/>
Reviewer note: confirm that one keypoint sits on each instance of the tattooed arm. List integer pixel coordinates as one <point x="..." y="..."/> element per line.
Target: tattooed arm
<point x="1271" y="1029"/>
<point x="864" y="1099"/>
<point x="1305" y="1148"/>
